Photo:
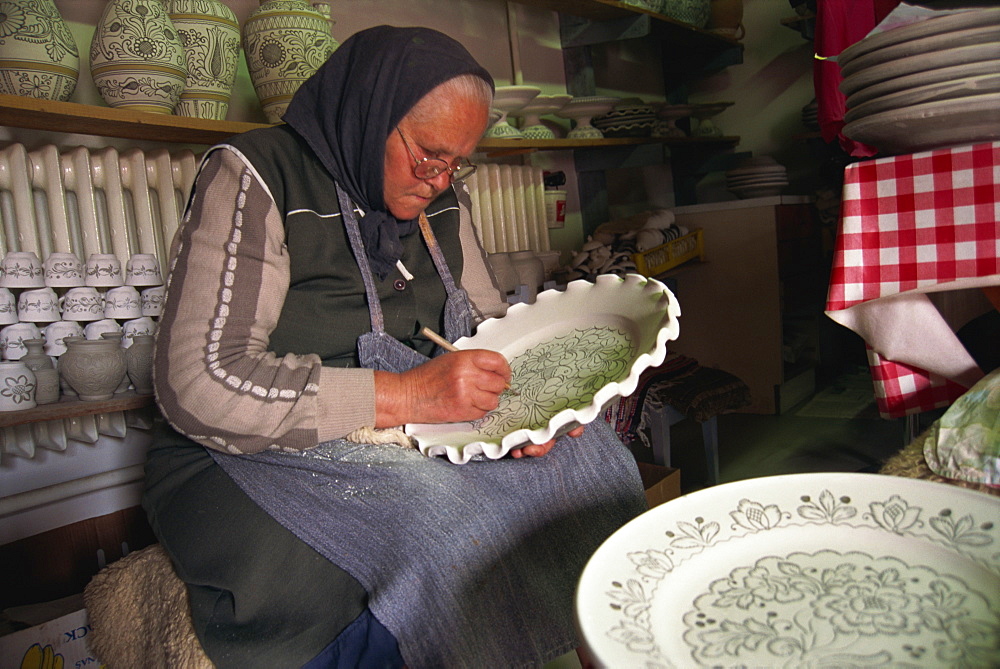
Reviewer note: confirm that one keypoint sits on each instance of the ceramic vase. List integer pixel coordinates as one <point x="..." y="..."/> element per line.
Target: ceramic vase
<point x="694" y="12"/>
<point x="46" y="385"/>
<point x="136" y="57"/>
<point x="38" y="56"/>
<point x="124" y="384"/>
<point x="93" y="367"/>
<point x="17" y="386"/>
<point x="139" y="361"/>
<point x="284" y="42"/>
<point x="211" y="37"/>
<point x="36" y="358"/>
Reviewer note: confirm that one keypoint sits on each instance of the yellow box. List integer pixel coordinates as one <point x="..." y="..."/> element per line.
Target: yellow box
<point x="667" y="256"/>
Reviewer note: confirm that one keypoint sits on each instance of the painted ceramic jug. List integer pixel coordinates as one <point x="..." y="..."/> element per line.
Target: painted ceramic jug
<point x="211" y="37"/>
<point x="136" y="57"/>
<point x="38" y="56"/>
<point x="284" y="42"/>
<point x="93" y="367"/>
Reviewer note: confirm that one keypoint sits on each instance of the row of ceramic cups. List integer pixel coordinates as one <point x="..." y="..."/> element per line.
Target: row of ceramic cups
<point x="23" y="269"/>
<point x="81" y="303"/>
<point x="12" y="337"/>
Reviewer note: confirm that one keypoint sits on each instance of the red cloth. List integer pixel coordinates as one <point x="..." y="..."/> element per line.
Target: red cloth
<point x="839" y="24"/>
<point x="908" y="224"/>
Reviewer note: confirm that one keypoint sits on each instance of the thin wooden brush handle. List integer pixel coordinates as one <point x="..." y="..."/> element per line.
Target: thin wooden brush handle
<point x="445" y="344"/>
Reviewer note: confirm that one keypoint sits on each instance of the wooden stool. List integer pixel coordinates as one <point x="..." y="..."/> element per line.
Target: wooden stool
<point x="677" y="389"/>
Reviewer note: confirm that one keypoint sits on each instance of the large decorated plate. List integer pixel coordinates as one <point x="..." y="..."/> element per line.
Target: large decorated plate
<point x="805" y="570"/>
<point x="572" y="353"/>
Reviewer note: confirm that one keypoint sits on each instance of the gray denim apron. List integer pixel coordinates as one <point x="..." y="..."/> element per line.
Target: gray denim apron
<point x="468" y="566"/>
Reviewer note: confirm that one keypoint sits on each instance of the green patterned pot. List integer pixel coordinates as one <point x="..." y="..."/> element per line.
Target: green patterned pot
<point x="285" y="42"/>
<point x="136" y="57"/>
<point x="211" y="38"/>
<point x="38" y="57"/>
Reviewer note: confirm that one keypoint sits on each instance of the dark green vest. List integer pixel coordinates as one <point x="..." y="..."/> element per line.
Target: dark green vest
<point x="326" y="310"/>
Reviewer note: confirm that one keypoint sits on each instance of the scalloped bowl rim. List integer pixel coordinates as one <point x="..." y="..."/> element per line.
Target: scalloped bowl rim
<point x="565" y="420"/>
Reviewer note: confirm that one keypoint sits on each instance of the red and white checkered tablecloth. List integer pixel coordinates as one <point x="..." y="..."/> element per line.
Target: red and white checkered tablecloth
<point x="916" y="223"/>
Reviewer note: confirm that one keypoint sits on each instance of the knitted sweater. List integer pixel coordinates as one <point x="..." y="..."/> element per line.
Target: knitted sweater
<point x="217" y="378"/>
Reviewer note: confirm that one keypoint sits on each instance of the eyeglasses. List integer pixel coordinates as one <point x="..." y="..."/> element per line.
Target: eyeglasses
<point x="428" y="168"/>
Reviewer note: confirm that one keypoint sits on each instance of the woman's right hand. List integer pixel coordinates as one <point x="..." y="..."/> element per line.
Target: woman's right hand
<point x="451" y="388"/>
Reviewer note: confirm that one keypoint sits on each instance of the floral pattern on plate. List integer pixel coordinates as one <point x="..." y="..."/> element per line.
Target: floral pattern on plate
<point x="801" y="570"/>
<point x="572" y="353"/>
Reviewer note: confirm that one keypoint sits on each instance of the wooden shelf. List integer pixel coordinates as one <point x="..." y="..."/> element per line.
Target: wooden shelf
<point x="496" y="147"/>
<point x="71" y="408"/>
<point x="23" y="112"/>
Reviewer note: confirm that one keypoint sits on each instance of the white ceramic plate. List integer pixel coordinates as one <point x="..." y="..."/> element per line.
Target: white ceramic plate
<point x="944" y="90"/>
<point x="804" y="570"/>
<point x="962" y="55"/>
<point x="918" y="30"/>
<point x="572" y="352"/>
<point x="910" y="82"/>
<point x="931" y="125"/>
<point x="972" y="36"/>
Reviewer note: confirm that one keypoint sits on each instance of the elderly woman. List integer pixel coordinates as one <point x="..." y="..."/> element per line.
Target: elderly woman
<point x="309" y="259"/>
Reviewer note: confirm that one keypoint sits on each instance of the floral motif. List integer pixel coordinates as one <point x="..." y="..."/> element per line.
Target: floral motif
<point x="846" y="605"/>
<point x="895" y="514"/>
<point x="37" y="23"/>
<point x="18" y="388"/>
<point x="562" y="373"/>
<point x="861" y="596"/>
<point x="756" y="516"/>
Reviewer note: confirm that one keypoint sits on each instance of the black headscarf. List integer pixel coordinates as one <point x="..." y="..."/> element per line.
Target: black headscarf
<point x="348" y="108"/>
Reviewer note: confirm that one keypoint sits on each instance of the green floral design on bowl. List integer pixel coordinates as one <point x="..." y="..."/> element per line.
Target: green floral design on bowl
<point x="562" y="373"/>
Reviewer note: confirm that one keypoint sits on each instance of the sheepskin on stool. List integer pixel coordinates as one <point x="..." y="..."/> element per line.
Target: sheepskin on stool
<point x="140" y="616"/>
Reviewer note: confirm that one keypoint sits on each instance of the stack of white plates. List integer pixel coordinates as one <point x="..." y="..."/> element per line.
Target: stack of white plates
<point x="761" y="176"/>
<point x="925" y="85"/>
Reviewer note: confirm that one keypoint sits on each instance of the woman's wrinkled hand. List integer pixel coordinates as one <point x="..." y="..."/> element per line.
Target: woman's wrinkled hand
<point x="451" y="388"/>
<point x="538" y="450"/>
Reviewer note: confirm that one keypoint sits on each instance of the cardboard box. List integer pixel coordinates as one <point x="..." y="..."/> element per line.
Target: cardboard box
<point x="43" y="645"/>
<point x="662" y="484"/>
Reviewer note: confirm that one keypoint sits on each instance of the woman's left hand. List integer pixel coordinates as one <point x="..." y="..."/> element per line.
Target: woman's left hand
<point x="538" y="450"/>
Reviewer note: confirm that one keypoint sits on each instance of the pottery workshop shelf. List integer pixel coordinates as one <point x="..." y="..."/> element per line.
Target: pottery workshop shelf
<point x="24" y="112"/>
<point x="70" y="408"/>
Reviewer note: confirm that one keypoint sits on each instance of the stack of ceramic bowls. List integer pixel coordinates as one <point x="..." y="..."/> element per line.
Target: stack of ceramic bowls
<point x="629" y="118"/>
<point x="761" y="176"/>
<point x="925" y="85"/>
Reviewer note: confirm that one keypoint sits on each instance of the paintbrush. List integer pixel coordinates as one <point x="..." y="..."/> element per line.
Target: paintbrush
<point x="448" y="346"/>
